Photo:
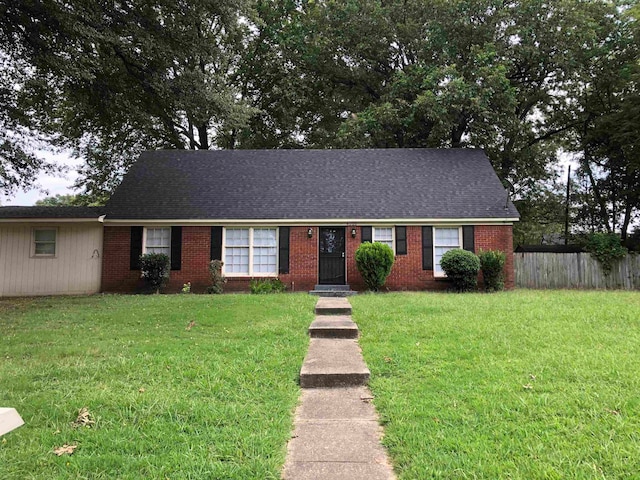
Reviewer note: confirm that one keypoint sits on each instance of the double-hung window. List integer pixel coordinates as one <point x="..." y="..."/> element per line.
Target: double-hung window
<point x="157" y="240"/>
<point x="444" y="239"/>
<point x="44" y="240"/>
<point x="383" y="235"/>
<point x="251" y="251"/>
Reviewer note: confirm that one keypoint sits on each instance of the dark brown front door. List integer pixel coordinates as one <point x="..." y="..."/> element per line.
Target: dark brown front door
<point x="332" y="258"/>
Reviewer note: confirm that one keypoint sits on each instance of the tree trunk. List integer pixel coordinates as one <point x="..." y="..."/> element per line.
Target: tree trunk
<point x="203" y="134"/>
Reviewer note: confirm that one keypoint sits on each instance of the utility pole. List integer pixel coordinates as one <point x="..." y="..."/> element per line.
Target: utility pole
<point x="566" y="210"/>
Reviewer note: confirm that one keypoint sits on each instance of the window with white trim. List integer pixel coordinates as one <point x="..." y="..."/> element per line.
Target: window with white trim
<point x="44" y="242"/>
<point x="383" y="235"/>
<point x="444" y="239"/>
<point x="251" y="251"/>
<point x="157" y="240"/>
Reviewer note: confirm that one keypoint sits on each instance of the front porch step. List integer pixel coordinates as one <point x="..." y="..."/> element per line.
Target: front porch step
<point x="344" y="288"/>
<point x="332" y="291"/>
<point x="333" y="326"/>
<point x="333" y="306"/>
<point x="333" y="363"/>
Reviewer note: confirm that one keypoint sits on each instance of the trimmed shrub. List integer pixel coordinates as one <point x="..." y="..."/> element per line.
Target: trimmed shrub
<point x="217" y="279"/>
<point x="461" y="267"/>
<point x="374" y="262"/>
<point x="155" y="268"/>
<point x="266" y="286"/>
<point x="492" y="266"/>
<point x="606" y="248"/>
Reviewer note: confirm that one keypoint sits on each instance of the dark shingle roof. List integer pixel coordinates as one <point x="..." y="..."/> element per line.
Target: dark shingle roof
<point x="51" y="212"/>
<point x="311" y="184"/>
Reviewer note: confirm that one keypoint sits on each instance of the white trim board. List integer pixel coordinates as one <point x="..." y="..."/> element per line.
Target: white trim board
<point x="52" y="220"/>
<point x="338" y="222"/>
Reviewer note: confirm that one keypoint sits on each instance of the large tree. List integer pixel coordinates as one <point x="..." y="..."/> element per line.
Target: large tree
<point x="112" y="79"/>
<point x="605" y="135"/>
<point x="512" y="77"/>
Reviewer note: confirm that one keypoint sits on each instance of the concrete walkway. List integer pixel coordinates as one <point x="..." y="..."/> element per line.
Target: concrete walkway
<point x="336" y="433"/>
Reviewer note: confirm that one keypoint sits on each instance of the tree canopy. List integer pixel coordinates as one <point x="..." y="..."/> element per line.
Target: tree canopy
<point x="522" y="79"/>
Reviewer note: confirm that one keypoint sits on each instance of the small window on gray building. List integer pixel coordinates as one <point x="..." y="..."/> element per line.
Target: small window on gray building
<point x="44" y="240"/>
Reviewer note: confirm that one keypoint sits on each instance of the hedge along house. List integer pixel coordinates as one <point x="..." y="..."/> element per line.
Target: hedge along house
<point x="300" y="215"/>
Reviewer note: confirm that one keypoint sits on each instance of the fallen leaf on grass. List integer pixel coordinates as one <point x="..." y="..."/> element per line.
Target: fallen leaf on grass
<point x="141" y="390"/>
<point x="65" y="450"/>
<point x="612" y="412"/>
<point x="191" y="325"/>
<point x="528" y="386"/>
<point x="388" y="359"/>
<point x="85" y="419"/>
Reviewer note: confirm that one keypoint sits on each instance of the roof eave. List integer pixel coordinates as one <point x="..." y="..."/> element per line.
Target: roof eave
<point x="99" y="219"/>
<point x="313" y="221"/>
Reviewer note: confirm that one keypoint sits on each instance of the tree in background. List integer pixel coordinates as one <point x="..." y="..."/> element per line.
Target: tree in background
<point x="520" y="79"/>
<point x="109" y="80"/>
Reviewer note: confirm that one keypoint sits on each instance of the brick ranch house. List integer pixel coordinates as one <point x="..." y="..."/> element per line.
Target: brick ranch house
<point x="298" y="215"/>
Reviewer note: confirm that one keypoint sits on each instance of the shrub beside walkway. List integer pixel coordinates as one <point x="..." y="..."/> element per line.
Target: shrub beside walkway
<point x="336" y="433"/>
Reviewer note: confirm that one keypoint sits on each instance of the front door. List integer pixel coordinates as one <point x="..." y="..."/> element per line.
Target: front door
<point x="332" y="258"/>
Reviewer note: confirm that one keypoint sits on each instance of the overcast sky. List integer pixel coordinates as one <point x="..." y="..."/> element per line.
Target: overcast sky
<point x="53" y="185"/>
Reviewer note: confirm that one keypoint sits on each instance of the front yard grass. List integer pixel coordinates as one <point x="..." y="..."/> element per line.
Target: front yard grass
<point x="524" y="384"/>
<point x="212" y="401"/>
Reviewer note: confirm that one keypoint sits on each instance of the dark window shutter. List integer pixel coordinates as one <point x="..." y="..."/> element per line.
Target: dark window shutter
<point x="427" y="248"/>
<point x="176" y="248"/>
<point x="366" y="234"/>
<point x="136" y="248"/>
<point x="283" y="250"/>
<point x="216" y="243"/>
<point x="401" y="240"/>
<point x="467" y="238"/>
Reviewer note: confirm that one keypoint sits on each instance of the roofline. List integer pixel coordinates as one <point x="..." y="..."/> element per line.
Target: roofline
<point x="314" y="221"/>
<point x="99" y="219"/>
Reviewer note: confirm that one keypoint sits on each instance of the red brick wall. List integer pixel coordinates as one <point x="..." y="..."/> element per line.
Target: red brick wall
<point x="303" y="263"/>
<point x="407" y="273"/>
<point x="497" y="237"/>
<point x="116" y="276"/>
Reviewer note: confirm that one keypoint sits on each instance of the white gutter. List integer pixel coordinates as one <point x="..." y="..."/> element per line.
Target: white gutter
<point x="52" y="220"/>
<point x="315" y="221"/>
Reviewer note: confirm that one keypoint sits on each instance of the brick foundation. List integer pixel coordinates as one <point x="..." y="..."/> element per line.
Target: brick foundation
<point x="407" y="273"/>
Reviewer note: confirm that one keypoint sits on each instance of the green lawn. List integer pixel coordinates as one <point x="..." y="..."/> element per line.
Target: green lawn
<point x="525" y="384"/>
<point x="215" y="401"/>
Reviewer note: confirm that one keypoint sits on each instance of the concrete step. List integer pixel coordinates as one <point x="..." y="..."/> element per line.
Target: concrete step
<point x="333" y="363"/>
<point x="333" y="326"/>
<point x="332" y="287"/>
<point x="333" y="306"/>
<point x="333" y="293"/>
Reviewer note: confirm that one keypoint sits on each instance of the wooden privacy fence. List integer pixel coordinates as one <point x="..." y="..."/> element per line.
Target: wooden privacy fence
<point x="574" y="270"/>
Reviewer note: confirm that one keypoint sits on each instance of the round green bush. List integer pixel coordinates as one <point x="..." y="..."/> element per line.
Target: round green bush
<point x="492" y="266"/>
<point x="461" y="267"/>
<point x="374" y="262"/>
<point x="155" y="269"/>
